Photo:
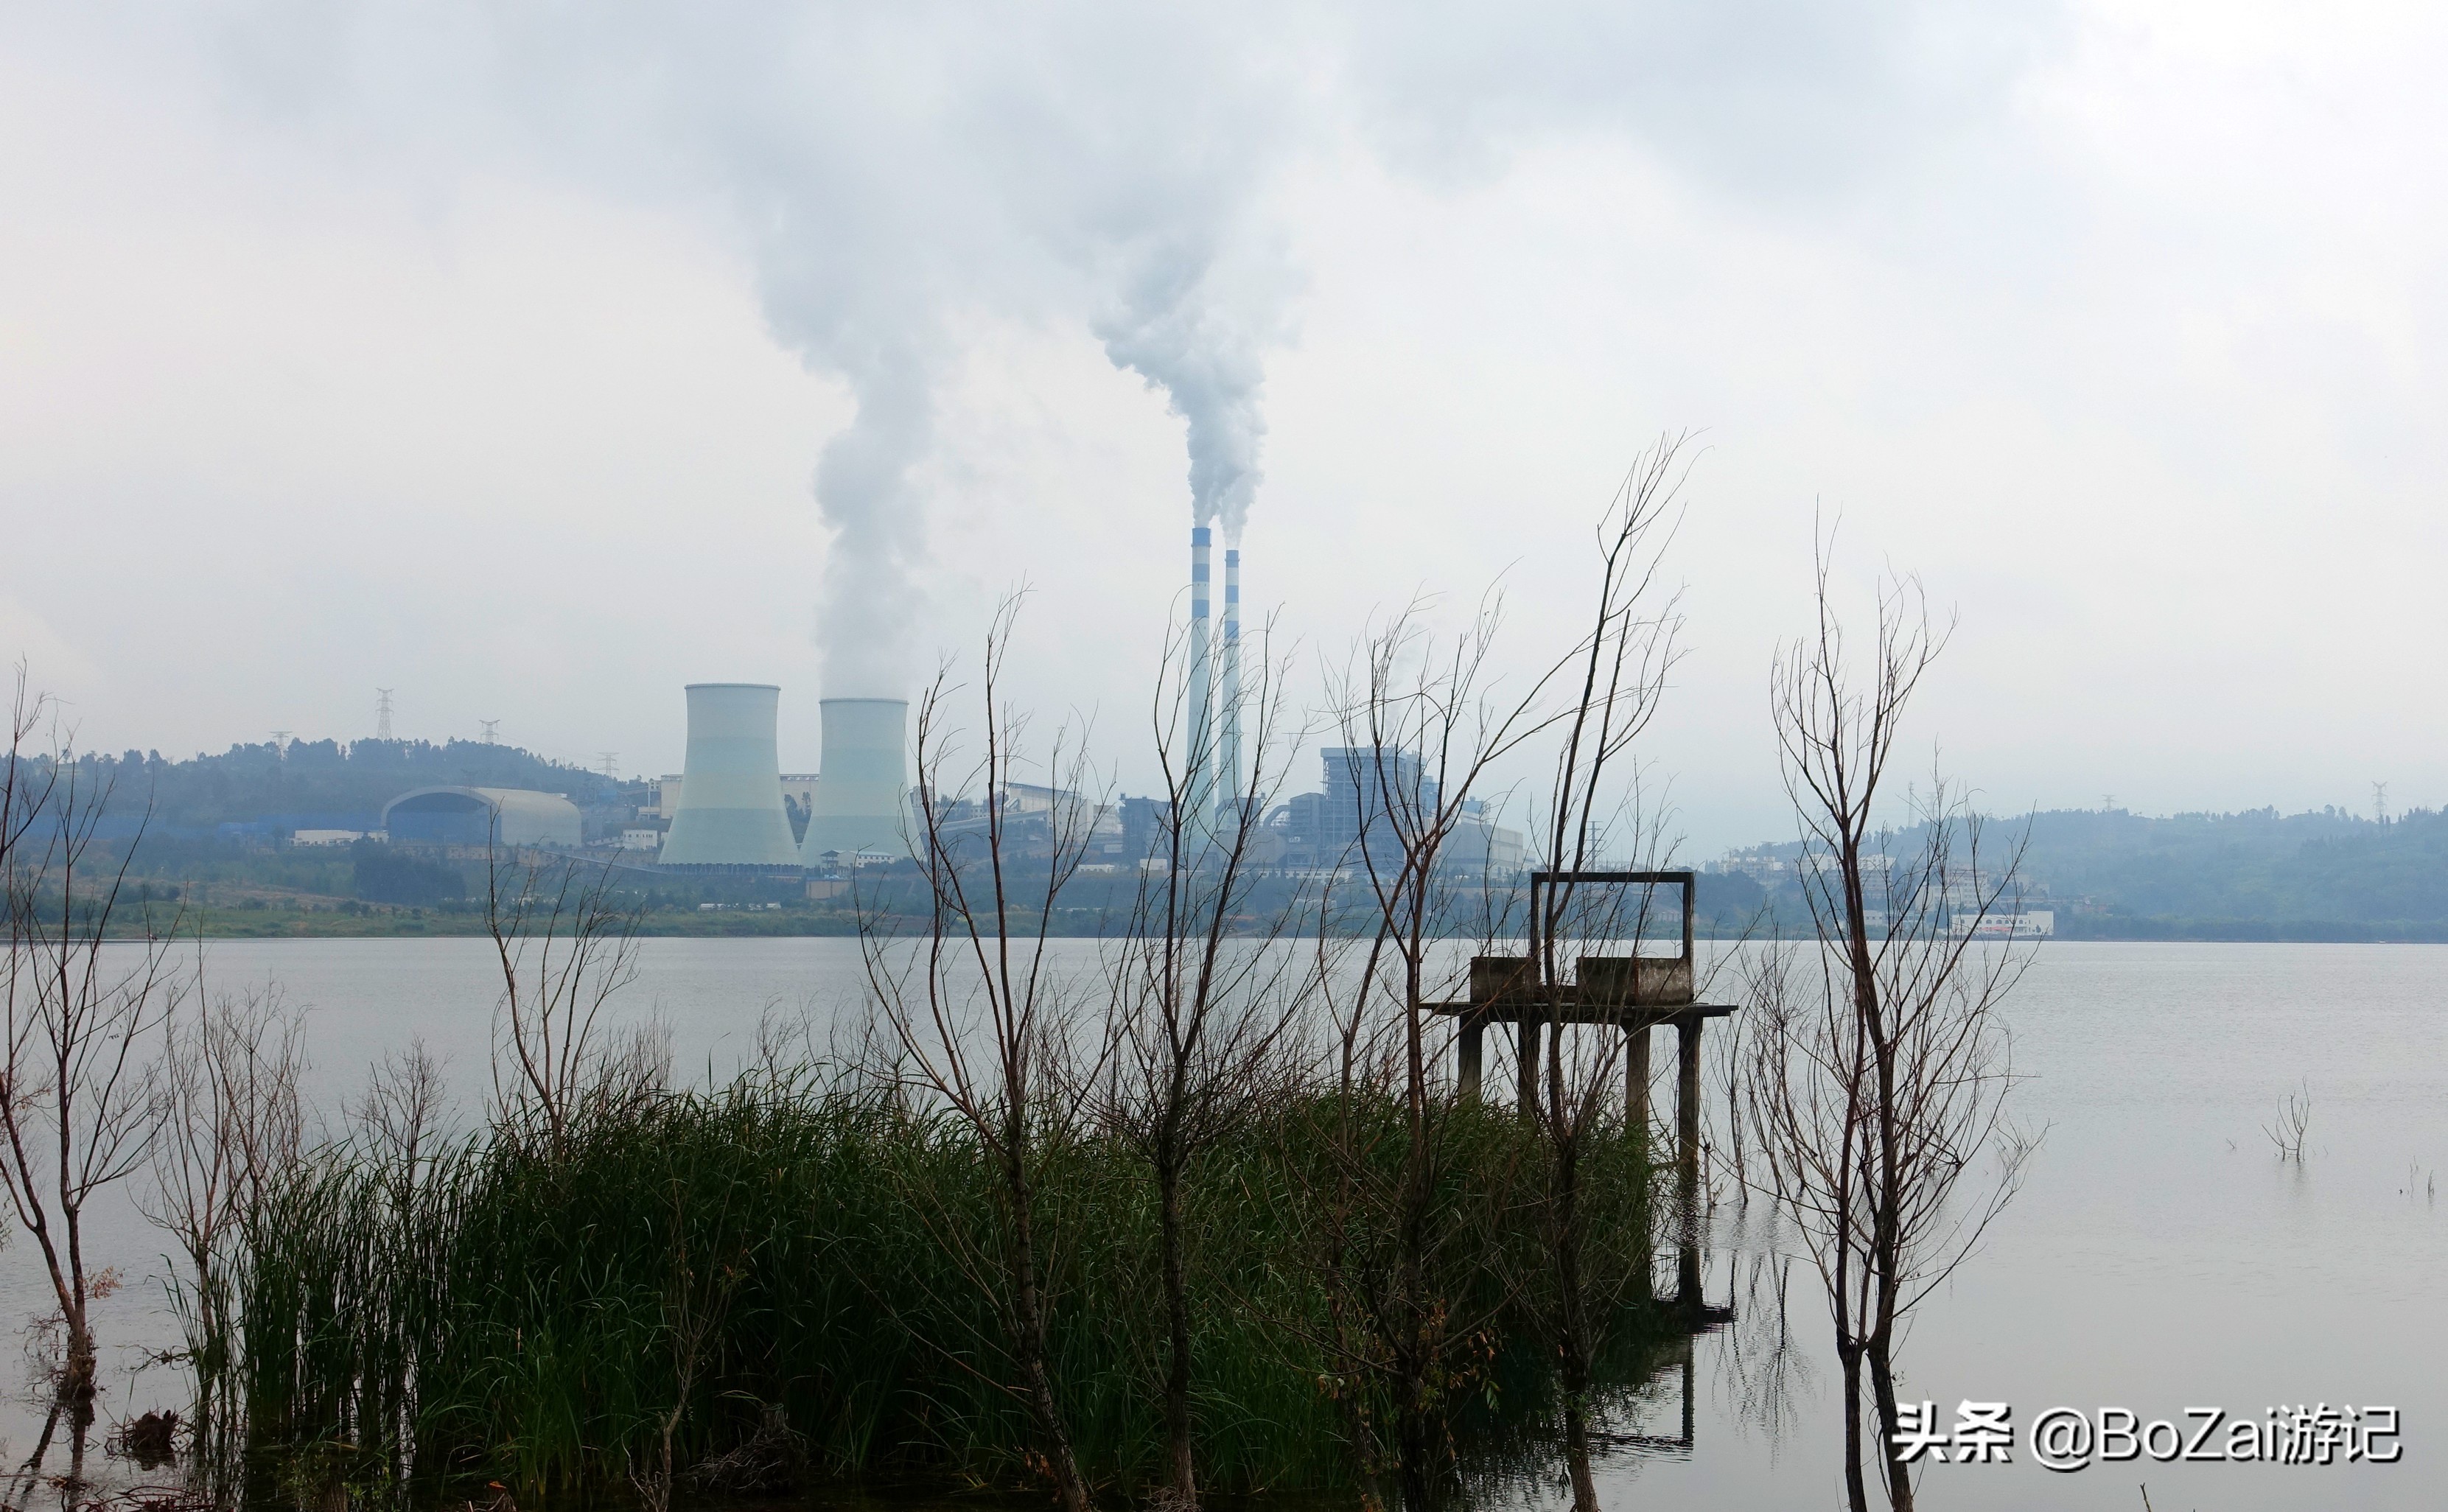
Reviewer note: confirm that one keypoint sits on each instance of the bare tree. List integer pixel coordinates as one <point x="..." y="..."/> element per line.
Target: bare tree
<point x="1879" y="1068"/>
<point x="976" y="1011"/>
<point x="400" y="1113"/>
<point x="1622" y="663"/>
<point x="1423" y="717"/>
<point x="398" y="1121"/>
<point x="77" y="1111"/>
<point x="566" y="944"/>
<point x="234" y="1129"/>
<point x="1199" y="1007"/>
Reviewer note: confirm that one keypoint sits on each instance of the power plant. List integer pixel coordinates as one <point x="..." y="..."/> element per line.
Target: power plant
<point x="730" y="814"/>
<point x="862" y="798"/>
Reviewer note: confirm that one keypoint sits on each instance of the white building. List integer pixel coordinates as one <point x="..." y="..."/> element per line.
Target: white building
<point x="2036" y="924"/>
<point x="666" y="800"/>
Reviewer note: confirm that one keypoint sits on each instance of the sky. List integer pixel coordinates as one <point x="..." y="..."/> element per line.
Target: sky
<point x="534" y="361"/>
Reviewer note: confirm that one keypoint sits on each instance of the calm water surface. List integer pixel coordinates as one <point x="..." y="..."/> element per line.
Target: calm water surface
<point x="2159" y="1258"/>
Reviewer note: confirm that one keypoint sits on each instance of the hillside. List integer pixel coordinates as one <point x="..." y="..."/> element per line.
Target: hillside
<point x="2259" y="874"/>
<point x="317" y="784"/>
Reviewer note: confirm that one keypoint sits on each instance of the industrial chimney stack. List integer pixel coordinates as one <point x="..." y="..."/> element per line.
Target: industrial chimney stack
<point x="731" y="813"/>
<point x="1200" y="736"/>
<point x="862" y="801"/>
<point x="1228" y="750"/>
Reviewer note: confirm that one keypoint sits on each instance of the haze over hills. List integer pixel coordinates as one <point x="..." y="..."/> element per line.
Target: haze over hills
<point x="2105" y="874"/>
<point x="2259" y="874"/>
<point x="317" y="784"/>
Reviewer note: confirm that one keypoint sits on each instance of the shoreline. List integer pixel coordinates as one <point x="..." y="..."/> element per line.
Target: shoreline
<point x="750" y="925"/>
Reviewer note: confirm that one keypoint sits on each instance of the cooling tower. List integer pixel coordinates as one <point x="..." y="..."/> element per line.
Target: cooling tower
<point x="862" y="799"/>
<point x="1198" y="755"/>
<point x="731" y="811"/>
<point x="1228" y="692"/>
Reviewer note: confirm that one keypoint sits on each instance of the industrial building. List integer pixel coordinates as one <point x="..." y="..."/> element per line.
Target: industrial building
<point x="1373" y="795"/>
<point x="729" y="817"/>
<point x="479" y="816"/>
<point x="1032" y="820"/>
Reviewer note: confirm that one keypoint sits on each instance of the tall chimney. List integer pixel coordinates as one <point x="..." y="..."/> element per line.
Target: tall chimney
<point x="1200" y="734"/>
<point x="1228" y="750"/>
<point x="862" y="801"/>
<point x="730" y="813"/>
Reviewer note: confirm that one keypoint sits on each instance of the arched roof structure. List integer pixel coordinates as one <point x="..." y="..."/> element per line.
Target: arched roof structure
<point x="508" y="816"/>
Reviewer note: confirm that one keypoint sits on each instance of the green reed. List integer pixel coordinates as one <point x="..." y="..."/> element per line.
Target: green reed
<point x="530" y="1311"/>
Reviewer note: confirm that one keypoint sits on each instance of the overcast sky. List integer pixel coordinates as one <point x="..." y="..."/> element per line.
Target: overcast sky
<point x="536" y="360"/>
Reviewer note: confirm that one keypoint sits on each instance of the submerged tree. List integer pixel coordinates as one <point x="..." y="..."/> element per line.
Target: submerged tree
<point x="78" y="1111"/>
<point x="1201" y="1006"/>
<point x="234" y="1130"/>
<point x="1423" y="717"/>
<point x="1878" y="1074"/>
<point x="1591" y="809"/>
<point x="976" y="1014"/>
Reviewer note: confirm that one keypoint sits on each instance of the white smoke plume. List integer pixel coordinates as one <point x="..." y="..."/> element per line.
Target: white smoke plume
<point x="896" y="168"/>
<point x="1209" y="356"/>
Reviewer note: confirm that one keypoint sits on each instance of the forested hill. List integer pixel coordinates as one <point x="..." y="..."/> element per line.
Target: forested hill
<point x="316" y="783"/>
<point x="2261" y="874"/>
<point x="2328" y="866"/>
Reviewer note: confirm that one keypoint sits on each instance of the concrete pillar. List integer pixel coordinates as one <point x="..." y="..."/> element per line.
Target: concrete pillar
<point x="1529" y="1062"/>
<point x="1467" y="1054"/>
<point x="1686" y="1156"/>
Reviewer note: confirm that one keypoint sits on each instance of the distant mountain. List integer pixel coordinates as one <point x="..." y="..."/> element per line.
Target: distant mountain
<point x="316" y="783"/>
<point x="2260" y="875"/>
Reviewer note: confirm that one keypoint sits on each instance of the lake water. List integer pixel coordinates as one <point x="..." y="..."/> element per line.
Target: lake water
<point x="2160" y="1257"/>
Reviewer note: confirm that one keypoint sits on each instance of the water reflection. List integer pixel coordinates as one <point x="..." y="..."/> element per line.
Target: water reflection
<point x="2162" y="1254"/>
<point x="1763" y="1373"/>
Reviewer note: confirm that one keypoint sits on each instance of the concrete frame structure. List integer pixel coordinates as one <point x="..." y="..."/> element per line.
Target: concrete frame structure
<point x="1632" y="994"/>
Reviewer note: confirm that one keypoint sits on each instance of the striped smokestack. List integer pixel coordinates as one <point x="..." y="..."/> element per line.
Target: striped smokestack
<point x="1228" y="750"/>
<point x="1201" y="735"/>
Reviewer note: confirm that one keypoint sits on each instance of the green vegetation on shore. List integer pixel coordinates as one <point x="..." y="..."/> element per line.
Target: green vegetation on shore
<point x="532" y="1311"/>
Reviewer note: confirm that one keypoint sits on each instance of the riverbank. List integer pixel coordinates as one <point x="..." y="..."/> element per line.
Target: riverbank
<point x="316" y="918"/>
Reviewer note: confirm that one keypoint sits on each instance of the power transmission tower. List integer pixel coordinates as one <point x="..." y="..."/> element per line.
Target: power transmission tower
<point x="491" y="725"/>
<point x="2380" y="802"/>
<point x="611" y="761"/>
<point x="280" y="743"/>
<point x="382" y="713"/>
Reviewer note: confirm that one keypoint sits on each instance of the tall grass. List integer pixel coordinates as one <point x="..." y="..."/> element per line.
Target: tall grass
<point x="524" y="1310"/>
